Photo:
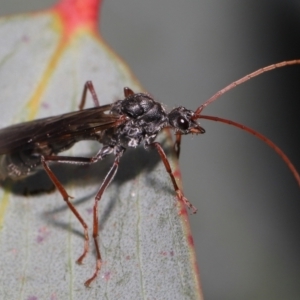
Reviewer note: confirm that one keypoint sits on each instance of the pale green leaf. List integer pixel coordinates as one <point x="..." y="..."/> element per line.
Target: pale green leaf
<point x="145" y="243"/>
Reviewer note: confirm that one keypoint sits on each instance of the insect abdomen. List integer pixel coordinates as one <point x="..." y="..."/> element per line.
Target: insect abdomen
<point x="18" y="165"/>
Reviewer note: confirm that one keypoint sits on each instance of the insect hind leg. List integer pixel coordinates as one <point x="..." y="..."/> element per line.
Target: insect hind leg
<point x="88" y="86"/>
<point x="67" y="198"/>
<point x="109" y="177"/>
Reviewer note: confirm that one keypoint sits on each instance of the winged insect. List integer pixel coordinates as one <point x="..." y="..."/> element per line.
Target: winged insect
<point x="135" y="120"/>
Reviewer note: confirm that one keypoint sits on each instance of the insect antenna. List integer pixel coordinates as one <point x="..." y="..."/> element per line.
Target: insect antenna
<point x="242" y="80"/>
<point x="232" y="85"/>
<point x="261" y="137"/>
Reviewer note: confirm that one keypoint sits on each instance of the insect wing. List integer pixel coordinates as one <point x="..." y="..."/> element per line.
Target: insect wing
<point x="54" y="129"/>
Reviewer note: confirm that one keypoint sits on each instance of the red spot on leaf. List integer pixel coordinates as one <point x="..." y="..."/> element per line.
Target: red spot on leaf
<point x="89" y="211"/>
<point x="25" y="39"/>
<point x="45" y="105"/>
<point x="107" y="276"/>
<point x="53" y="297"/>
<point x="43" y="233"/>
<point x="190" y="240"/>
<point x="78" y="14"/>
<point x="177" y="173"/>
<point x="183" y="211"/>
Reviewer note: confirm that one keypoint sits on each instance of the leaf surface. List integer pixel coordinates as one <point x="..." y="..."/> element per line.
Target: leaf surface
<point x="145" y="241"/>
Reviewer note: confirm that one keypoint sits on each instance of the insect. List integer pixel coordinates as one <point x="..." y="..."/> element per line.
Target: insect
<point x="136" y="119"/>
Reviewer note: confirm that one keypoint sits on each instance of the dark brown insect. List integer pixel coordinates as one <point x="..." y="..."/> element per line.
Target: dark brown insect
<point x="136" y="119"/>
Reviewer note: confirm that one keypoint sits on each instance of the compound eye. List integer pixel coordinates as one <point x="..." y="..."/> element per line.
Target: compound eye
<point x="183" y="124"/>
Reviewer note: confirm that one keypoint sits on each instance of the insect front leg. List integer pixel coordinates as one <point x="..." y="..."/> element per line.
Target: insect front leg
<point x="178" y="191"/>
<point x="107" y="180"/>
<point x="88" y="86"/>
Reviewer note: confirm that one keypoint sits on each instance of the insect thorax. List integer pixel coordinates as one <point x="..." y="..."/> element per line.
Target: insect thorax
<point x="146" y="118"/>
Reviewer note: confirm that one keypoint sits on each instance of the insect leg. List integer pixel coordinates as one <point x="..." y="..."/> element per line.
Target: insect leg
<point x="88" y="86"/>
<point x="177" y="144"/>
<point x="107" y="180"/>
<point x="178" y="191"/>
<point x="74" y="160"/>
<point x="67" y="198"/>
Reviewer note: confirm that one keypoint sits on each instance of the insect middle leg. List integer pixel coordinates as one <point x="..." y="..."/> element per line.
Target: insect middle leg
<point x="108" y="178"/>
<point x="73" y="160"/>
<point x="178" y="191"/>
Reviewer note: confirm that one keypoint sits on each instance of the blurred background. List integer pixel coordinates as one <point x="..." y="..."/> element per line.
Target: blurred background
<point x="247" y="227"/>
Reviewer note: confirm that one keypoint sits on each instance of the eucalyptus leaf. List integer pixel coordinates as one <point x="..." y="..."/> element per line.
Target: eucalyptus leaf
<point x="145" y="242"/>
